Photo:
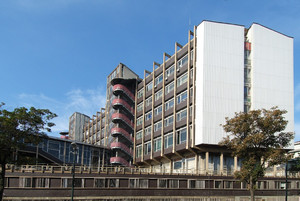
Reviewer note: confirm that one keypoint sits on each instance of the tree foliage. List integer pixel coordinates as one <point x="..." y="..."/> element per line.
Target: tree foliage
<point x="258" y="138"/>
<point x="18" y="127"/>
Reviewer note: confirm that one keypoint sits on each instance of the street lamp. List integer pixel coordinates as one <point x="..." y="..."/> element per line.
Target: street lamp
<point x="74" y="147"/>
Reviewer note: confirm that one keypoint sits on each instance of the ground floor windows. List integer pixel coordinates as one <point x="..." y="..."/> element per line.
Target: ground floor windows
<point x="198" y="184"/>
<point x="28" y="182"/>
<point x="138" y="183"/>
<point x="106" y="183"/>
<point x="67" y="182"/>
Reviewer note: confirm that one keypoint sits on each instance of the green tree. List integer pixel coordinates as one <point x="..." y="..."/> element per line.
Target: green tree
<point x="18" y="127"/>
<point x="257" y="138"/>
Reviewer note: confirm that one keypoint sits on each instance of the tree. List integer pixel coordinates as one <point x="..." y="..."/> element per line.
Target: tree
<point x="18" y="127"/>
<point x="257" y="138"/>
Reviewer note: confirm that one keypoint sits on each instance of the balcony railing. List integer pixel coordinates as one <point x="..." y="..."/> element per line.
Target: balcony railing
<point x="131" y="170"/>
<point x="123" y="103"/>
<point x="121" y="131"/>
<point x="119" y="160"/>
<point x="124" y="118"/>
<point x="120" y="87"/>
<point x="120" y="145"/>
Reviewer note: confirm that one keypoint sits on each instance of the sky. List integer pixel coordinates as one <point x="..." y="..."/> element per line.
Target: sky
<point x="57" y="54"/>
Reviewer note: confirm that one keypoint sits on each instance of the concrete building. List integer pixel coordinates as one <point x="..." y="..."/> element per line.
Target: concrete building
<point x="174" y="113"/>
<point x="76" y="124"/>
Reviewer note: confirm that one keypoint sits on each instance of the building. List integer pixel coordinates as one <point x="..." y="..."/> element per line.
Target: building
<point x="174" y="113"/>
<point x="138" y="184"/>
<point x="58" y="151"/>
<point x="76" y="124"/>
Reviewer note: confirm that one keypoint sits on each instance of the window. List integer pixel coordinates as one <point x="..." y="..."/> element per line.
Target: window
<point x="140" y="93"/>
<point x="138" y="151"/>
<point x="157" y="126"/>
<point x="159" y="79"/>
<point x="157" y="110"/>
<point x="173" y="183"/>
<point x="148" y="130"/>
<point x="181" y="135"/>
<point x="139" y="121"/>
<point x="182" y="79"/>
<point x="181" y="115"/>
<point x="181" y="97"/>
<point x="200" y="184"/>
<point x="170" y="71"/>
<point x="149" y="101"/>
<point x="67" y="182"/>
<point x="163" y="183"/>
<point x="40" y="182"/>
<point x="158" y="95"/>
<point x="140" y="107"/>
<point x="157" y="144"/>
<point x="25" y="182"/>
<point x="148" y="116"/>
<point x="147" y="148"/>
<point x="178" y="165"/>
<point x="138" y="183"/>
<point x="169" y="104"/>
<point x="149" y="86"/>
<point x="113" y="183"/>
<point x="228" y="184"/>
<point x="169" y="88"/>
<point x="218" y="184"/>
<point x="169" y="121"/>
<point x="182" y="61"/>
<point x="139" y="134"/>
<point x="168" y="140"/>
<point x="99" y="183"/>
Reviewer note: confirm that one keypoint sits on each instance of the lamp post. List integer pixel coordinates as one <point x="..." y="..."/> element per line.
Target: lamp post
<point x="74" y="147"/>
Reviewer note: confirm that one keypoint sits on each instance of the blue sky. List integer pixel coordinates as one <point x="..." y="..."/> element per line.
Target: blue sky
<point x="56" y="54"/>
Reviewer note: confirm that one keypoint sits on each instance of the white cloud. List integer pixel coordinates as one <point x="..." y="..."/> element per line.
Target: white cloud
<point x="84" y="101"/>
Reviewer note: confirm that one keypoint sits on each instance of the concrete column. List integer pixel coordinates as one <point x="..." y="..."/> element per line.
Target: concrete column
<point x="206" y="160"/>
<point x="202" y="164"/>
<point x="235" y="163"/>
<point x="221" y="163"/>
<point x="196" y="163"/>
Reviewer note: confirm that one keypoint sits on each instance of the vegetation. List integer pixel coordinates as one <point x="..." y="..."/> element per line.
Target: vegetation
<point x="257" y="138"/>
<point x="18" y="127"/>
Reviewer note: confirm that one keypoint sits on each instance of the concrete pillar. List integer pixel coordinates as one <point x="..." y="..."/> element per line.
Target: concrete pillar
<point x="221" y="163"/>
<point x="202" y="164"/>
<point x="206" y="160"/>
<point x="196" y="163"/>
<point x="235" y="163"/>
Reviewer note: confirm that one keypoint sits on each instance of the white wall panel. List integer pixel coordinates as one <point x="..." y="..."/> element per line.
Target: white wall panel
<point x="272" y="71"/>
<point x="219" y="78"/>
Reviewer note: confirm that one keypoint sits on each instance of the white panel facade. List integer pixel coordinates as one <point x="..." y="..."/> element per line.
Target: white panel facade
<point x="219" y="78"/>
<point x="272" y="71"/>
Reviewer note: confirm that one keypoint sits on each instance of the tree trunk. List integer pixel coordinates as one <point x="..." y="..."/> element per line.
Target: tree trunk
<point x="251" y="189"/>
<point x="2" y="179"/>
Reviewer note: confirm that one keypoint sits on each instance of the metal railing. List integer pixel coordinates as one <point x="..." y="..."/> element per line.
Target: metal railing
<point x="137" y="170"/>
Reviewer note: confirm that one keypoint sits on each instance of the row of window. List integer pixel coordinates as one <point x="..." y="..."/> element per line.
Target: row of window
<point x="170" y="103"/>
<point x="157" y="142"/>
<point x="28" y="182"/>
<point x="168" y="88"/>
<point x="180" y="115"/>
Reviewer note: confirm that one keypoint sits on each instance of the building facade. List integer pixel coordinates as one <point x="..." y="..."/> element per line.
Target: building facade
<point x="76" y="125"/>
<point x="171" y="118"/>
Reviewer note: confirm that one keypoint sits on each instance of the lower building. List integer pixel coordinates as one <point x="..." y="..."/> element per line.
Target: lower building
<point x="138" y="184"/>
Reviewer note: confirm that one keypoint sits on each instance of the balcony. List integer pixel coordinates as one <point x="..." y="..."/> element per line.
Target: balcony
<point x="119" y="102"/>
<point x="121" y="117"/>
<point x="121" y="131"/>
<point x="119" y="161"/>
<point x="121" y="88"/>
<point x="121" y="146"/>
